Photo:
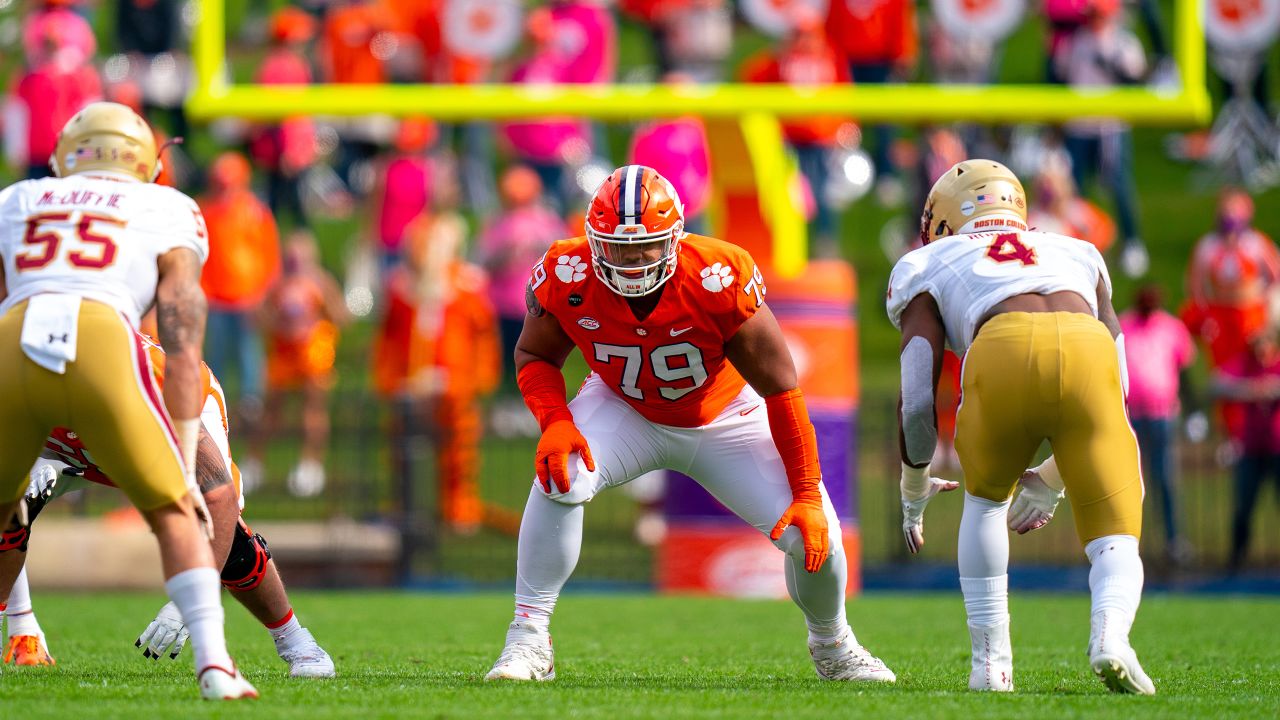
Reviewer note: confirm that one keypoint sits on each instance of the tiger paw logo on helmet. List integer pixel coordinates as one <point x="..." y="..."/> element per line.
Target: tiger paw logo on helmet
<point x="717" y="277"/>
<point x="570" y="268"/>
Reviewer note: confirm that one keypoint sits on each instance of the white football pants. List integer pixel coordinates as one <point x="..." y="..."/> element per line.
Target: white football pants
<point x="733" y="457"/>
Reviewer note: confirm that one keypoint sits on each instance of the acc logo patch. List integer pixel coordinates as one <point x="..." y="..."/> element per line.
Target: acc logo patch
<point x="717" y="277"/>
<point x="570" y="268"/>
<point x="589" y="323"/>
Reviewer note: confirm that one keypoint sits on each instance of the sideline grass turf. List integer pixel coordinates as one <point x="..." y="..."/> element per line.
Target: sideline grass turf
<point x="624" y="656"/>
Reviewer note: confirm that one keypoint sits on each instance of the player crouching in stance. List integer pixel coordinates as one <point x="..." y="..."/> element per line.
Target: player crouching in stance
<point x="248" y="571"/>
<point x="1045" y="361"/>
<point x="85" y="254"/>
<point x="689" y="372"/>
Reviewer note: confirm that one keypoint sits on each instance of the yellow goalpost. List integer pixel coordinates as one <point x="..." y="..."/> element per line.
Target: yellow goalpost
<point x="749" y="110"/>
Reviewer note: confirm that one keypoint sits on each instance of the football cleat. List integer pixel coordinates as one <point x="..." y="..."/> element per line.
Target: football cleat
<point x="28" y="650"/>
<point x="992" y="659"/>
<point x="306" y="658"/>
<point x="1113" y="659"/>
<point x="218" y="683"/>
<point x="526" y="656"/>
<point x="844" y="659"/>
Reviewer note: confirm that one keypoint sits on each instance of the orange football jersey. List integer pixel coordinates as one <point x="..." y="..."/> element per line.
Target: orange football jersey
<point x="670" y="366"/>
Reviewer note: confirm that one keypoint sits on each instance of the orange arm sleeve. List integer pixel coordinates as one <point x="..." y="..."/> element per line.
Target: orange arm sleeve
<point x="796" y="441"/>
<point x="542" y="386"/>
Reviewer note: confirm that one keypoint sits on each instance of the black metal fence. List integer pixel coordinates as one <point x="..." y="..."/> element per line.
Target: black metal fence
<point x="380" y="476"/>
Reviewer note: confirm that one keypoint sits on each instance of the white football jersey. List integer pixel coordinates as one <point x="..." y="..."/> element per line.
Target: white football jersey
<point x="97" y="236"/>
<point x="969" y="274"/>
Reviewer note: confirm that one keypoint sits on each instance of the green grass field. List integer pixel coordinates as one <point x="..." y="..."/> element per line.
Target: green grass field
<point x="422" y="655"/>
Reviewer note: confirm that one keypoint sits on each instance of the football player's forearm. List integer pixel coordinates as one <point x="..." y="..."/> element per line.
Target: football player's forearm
<point x="796" y="441"/>
<point x="542" y="386"/>
<point x="211" y="472"/>
<point x="918" y="426"/>
<point x="180" y="320"/>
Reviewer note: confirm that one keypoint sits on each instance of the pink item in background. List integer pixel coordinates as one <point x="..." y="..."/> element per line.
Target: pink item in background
<point x="406" y="194"/>
<point x="1157" y="348"/>
<point x="512" y="244"/>
<point x="53" y="29"/>
<point x="677" y="149"/>
<point x="584" y="42"/>
<point x="545" y="141"/>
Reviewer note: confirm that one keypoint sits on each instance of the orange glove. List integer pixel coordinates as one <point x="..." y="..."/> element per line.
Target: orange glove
<point x="798" y="445"/>
<point x="551" y="462"/>
<point x="809" y="517"/>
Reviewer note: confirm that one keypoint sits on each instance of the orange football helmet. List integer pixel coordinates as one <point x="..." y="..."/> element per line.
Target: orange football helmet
<point x="635" y="222"/>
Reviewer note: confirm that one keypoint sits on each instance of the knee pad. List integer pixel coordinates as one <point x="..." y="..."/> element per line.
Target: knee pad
<point x="14" y="538"/>
<point x="247" y="562"/>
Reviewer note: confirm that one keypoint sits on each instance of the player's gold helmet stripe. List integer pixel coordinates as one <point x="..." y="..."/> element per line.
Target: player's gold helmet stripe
<point x="970" y="190"/>
<point x="106" y="136"/>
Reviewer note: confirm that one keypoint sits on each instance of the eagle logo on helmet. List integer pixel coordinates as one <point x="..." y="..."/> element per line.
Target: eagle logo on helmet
<point x="107" y="136"/>
<point x="635" y="222"/>
<point x="971" y="190"/>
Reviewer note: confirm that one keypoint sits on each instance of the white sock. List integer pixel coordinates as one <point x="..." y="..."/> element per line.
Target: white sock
<point x="1115" y="580"/>
<point x="983" y="546"/>
<point x="550" y="542"/>
<point x="986" y="600"/>
<point x="21" y="616"/>
<point x="20" y="595"/>
<point x="284" y="634"/>
<point x="820" y="595"/>
<point x="198" y="594"/>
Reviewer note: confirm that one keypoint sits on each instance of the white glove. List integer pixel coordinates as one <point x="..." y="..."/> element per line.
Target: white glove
<point x="167" y="633"/>
<point x="43" y="480"/>
<point x="917" y="489"/>
<point x="1040" y="493"/>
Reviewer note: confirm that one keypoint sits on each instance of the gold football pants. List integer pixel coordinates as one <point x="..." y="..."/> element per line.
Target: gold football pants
<point x="1030" y="377"/>
<point x="107" y="396"/>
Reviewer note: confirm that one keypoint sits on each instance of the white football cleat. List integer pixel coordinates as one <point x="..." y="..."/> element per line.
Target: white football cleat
<point x="992" y="659"/>
<point x="526" y="656"/>
<point x="844" y="659"/>
<point x="218" y="683"/>
<point x="1113" y="659"/>
<point x="306" y="658"/>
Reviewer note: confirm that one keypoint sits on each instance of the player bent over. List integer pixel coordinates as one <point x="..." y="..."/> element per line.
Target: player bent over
<point x="1045" y="361"/>
<point x="84" y="255"/>
<point x="248" y="571"/>
<point x="690" y="373"/>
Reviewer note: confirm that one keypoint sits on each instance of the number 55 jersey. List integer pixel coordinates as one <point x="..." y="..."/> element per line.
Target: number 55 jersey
<point x="670" y="366"/>
<point x="96" y="236"/>
<point x="968" y="274"/>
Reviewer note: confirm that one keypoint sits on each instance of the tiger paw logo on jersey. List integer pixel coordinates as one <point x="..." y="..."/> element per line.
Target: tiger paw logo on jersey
<point x="717" y="277"/>
<point x="571" y="268"/>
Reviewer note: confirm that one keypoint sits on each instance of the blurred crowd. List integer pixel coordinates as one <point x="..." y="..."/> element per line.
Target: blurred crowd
<point x="445" y="220"/>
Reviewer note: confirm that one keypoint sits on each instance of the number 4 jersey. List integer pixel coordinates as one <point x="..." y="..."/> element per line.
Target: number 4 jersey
<point x="94" y="236"/>
<point x="671" y="365"/>
<point x="969" y="274"/>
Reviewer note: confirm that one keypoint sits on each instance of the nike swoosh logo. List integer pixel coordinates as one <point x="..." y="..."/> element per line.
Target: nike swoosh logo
<point x="749" y="410"/>
<point x="675" y="332"/>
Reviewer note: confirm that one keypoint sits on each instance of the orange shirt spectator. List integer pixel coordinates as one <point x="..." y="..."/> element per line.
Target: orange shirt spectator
<point x="805" y="59"/>
<point x="244" y="252"/>
<point x="1232" y="281"/>
<point x="350" y="43"/>
<point x="872" y="32"/>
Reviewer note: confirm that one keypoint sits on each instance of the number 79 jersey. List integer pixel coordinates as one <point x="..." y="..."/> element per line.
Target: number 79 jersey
<point x="968" y="274"/>
<point x="671" y="366"/>
<point x="93" y="236"/>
